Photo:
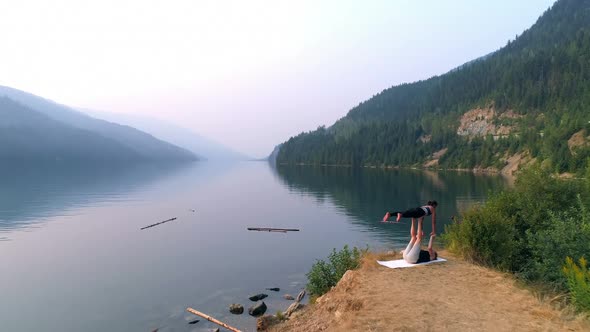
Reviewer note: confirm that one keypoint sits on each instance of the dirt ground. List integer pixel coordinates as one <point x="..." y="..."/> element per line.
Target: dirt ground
<point x="450" y="296"/>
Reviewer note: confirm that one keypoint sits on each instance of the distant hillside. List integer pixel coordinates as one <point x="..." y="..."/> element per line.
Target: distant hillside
<point x="174" y="134"/>
<point x="143" y="146"/>
<point x="29" y="135"/>
<point x="529" y="99"/>
<point x="272" y="158"/>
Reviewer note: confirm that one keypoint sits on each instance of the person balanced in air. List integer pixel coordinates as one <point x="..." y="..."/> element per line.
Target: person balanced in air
<point x="413" y="253"/>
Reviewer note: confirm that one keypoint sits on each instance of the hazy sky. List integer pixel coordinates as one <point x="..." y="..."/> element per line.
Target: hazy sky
<point x="246" y="73"/>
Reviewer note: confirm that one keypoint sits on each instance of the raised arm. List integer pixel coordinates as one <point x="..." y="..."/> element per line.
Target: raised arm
<point x="433" y="254"/>
<point x="433" y="223"/>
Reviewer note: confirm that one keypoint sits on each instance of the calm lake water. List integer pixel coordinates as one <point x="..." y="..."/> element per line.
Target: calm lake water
<point x="73" y="257"/>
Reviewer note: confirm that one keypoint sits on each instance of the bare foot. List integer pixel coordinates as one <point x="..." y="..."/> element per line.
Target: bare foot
<point x="399" y="216"/>
<point x="387" y="215"/>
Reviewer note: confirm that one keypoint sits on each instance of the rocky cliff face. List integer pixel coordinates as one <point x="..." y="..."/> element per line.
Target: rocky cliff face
<point x="481" y="122"/>
<point x="579" y="139"/>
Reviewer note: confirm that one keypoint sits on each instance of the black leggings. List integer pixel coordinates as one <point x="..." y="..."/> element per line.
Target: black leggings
<point x="411" y="213"/>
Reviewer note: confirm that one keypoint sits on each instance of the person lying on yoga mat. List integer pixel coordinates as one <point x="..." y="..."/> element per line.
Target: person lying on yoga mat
<point x="420" y="212"/>
<point x="413" y="253"/>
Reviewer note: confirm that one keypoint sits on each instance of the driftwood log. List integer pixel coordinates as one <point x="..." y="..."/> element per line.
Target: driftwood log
<point x="158" y="223"/>
<point x="300" y="296"/>
<point x="264" y="322"/>
<point x="295" y="305"/>
<point x="268" y="229"/>
<point x="213" y="320"/>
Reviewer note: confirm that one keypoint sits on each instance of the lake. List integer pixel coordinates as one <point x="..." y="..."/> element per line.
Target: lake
<point x="74" y="258"/>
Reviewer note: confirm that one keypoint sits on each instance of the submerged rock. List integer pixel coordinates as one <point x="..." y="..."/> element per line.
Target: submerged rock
<point x="274" y="289"/>
<point x="288" y="297"/>
<point x="258" y="309"/>
<point x="236" y="309"/>
<point x="257" y="297"/>
<point x="194" y="321"/>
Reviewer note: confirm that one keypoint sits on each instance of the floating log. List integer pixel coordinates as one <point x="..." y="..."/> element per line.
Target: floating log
<point x="158" y="223"/>
<point x="211" y="319"/>
<point x="267" y="229"/>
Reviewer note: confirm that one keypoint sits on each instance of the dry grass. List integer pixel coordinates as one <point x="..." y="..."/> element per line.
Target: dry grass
<point x="368" y="259"/>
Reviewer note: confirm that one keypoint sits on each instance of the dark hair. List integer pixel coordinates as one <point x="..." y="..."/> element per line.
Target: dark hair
<point x="435" y="255"/>
<point x="433" y="203"/>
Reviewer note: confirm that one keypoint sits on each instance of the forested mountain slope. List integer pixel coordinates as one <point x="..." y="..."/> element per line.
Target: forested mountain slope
<point x="531" y="97"/>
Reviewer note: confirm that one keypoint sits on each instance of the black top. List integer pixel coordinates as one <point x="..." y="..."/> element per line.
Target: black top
<point x="428" y="211"/>
<point x="424" y="257"/>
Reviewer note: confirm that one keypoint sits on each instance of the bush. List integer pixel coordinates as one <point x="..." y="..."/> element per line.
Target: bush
<point x="484" y="235"/>
<point x="578" y="282"/>
<point x="527" y="230"/>
<point x="324" y="275"/>
<point x="537" y="194"/>
<point x="320" y="278"/>
<point x="567" y="235"/>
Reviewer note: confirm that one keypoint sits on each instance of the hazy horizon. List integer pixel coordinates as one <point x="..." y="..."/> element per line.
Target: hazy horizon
<point x="246" y="74"/>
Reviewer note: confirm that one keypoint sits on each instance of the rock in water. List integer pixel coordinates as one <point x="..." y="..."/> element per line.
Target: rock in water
<point x="274" y="289"/>
<point x="236" y="309"/>
<point x="194" y="321"/>
<point x="288" y="297"/>
<point x="257" y="297"/>
<point x="258" y="309"/>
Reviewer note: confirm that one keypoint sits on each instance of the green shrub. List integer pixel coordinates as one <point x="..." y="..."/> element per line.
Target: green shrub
<point x="320" y="278"/>
<point x="568" y="234"/>
<point x="527" y="230"/>
<point x="537" y="194"/>
<point x="484" y="235"/>
<point x="324" y="275"/>
<point x="578" y="282"/>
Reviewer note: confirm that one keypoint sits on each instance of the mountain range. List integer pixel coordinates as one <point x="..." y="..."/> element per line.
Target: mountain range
<point x="33" y="128"/>
<point x="183" y="137"/>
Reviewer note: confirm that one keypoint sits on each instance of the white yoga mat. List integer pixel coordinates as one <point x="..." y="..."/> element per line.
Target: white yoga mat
<point x="400" y="263"/>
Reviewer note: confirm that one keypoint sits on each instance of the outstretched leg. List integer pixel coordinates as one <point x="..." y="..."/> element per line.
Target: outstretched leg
<point x="412" y="239"/>
<point x="412" y="252"/>
<point x="421" y="227"/>
<point x="409" y="247"/>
